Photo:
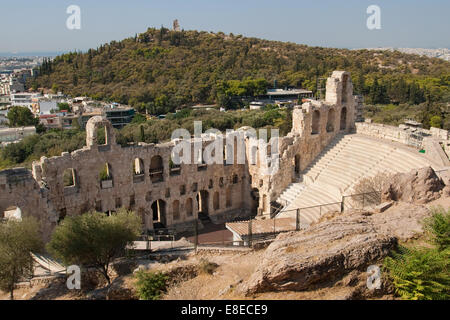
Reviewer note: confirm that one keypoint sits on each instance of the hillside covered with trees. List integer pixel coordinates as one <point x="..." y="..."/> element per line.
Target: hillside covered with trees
<point x="161" y="70"/>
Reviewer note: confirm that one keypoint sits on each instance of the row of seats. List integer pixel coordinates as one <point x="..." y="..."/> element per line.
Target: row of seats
<point x="339" y="167"/>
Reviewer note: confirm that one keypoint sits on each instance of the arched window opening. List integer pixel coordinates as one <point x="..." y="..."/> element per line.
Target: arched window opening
<point x="138" y="170"/>
<point x="315" y="126"/>
<point x="156" y="169"/>
<point x="69" y="178"/>
<point x="105" y="176"/>
<point x="331" y="120"/>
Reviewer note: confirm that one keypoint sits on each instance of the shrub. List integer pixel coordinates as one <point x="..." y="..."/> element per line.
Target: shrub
<point x="207" y="267"/>
<point x="438" y="227"/>
<point x="94" y="239"/>
<point x="420" y="274"/>
<point x="151" y="285"/>
<point x="423" y="273"/>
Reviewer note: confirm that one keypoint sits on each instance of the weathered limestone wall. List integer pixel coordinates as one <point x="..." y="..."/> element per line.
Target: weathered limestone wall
<point x="382" y="131"/>
<point x="315" y="125"/>
<point x="227" y="190"/>
<point x="433" y="140"/>
<point x="19" y="189"/>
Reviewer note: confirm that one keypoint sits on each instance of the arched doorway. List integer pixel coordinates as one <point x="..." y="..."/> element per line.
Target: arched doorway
<point x="343" y="125"/>
<point x="203" y="202"/>
<point x="159" y="214"/>
<point x="255" y="201"/>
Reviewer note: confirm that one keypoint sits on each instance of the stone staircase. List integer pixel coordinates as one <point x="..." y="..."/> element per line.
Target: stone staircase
<point x="324" y="158"/>
<point x="338" y="168"/>
<point x="290" y="193"/>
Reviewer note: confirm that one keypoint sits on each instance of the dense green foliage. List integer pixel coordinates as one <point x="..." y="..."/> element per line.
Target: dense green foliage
<point x="21" y="117"/>
<point x="429" y="114"/>
<point x="154" y="130"/>
<point x="94" y="239"/>
<point x="161" y="70"/>
<point x="438" y="228"/>
<point x="17" y="240"/>
<point x="422" y="273"/>
<point x="150" y="285"/>
<point x="51" y="143"/>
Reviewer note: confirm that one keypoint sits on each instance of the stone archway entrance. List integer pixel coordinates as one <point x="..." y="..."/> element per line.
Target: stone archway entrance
<point x="159" y="214"/>
<point x="255" y="201"/>
<point x="203" y="202"/>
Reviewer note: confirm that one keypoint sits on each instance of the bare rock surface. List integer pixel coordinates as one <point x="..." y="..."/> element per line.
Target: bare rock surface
<point x="417" y="186"/>
<point x="122" y="288"/>
<point x="403" y="221"/>
<point x="324" y="252"/>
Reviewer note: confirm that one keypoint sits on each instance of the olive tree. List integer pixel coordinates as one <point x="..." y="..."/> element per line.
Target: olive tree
<point x="94" y="239"/>
<point x="17" y="240"/>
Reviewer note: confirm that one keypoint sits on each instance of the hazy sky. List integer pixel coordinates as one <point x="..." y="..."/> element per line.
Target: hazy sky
<point x="40" y="25"/>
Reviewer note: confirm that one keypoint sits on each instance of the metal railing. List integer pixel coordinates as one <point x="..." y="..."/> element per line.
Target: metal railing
<point x="297" y="219"/>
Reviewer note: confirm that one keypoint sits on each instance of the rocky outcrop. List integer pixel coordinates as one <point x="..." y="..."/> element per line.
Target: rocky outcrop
<point x="417" y="186"/>
<point x="122" y="288"/>
<point x="324" y="252"/>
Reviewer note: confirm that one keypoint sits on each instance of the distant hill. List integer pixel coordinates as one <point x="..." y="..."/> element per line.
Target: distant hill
<point x="160" y="70"/>
<point x="442" y="53"/>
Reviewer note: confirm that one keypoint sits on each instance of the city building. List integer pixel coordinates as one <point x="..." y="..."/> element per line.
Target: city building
<point x="119" y="116"/>
<point x="60" y="120"/>
<point x="24" y="99"/>
<point x="281" y="97"/>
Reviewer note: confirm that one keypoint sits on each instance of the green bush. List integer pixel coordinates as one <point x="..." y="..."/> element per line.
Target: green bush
<point x="150" y="285"/>
<point x="420" y="274"/>
<point x="423" y="273"/>
<point x="438" y="227"/>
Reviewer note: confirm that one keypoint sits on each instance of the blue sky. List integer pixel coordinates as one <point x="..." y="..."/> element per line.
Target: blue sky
<point x="33" y="26"/>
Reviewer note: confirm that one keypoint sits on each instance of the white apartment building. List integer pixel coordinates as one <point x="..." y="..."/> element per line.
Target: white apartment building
<point x="24" y="99"/>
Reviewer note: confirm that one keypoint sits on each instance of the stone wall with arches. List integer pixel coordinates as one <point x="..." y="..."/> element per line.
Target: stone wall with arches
<point x="105" y="176"/>
<point x="314" y="125"/>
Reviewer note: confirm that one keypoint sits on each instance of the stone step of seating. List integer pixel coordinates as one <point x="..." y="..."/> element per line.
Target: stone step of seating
<point x="290" y="193"/>
<point x="340" y="167"/>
